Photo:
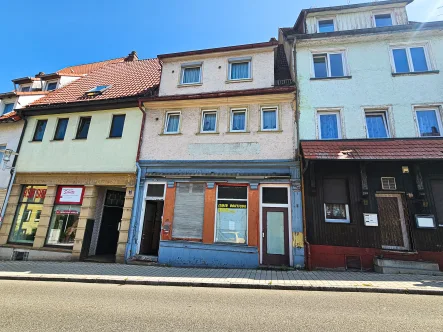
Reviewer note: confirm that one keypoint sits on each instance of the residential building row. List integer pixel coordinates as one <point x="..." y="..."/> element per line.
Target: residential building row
<point x="321" y="149"/>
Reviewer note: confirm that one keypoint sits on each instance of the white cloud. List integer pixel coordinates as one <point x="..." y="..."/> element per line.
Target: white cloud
<point x="425" y="10"/>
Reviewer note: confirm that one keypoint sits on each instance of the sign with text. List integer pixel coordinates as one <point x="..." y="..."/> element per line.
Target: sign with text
<point x="70" y="195"/>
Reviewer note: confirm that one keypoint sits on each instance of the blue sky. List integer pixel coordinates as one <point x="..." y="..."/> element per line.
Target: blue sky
<point x="49" y="35"/>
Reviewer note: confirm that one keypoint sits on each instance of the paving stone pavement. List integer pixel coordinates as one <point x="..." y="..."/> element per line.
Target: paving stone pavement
<point x="206" y="277"/>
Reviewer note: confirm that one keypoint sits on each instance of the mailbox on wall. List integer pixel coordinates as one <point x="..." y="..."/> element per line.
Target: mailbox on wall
<point x="371" y="219"/>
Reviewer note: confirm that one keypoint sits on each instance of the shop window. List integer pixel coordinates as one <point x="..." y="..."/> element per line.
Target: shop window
<point x="28" y="214"/>
<point x="83" y="128"/>
<point x="189" y="211"/>
<point x="336" y="200"/>
<point x="118" y="122"/>
<point x="232" y="214"/>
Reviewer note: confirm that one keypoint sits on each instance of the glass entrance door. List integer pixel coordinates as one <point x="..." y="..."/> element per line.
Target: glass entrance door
<point x="275" y="236"/>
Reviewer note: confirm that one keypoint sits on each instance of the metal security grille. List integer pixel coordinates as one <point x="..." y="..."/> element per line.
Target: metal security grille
<point x="388" y="183"/>
<point x="188" y="211"/>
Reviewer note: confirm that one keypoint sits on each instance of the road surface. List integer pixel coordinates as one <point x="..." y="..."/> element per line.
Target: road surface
<point x="57" y="306"/>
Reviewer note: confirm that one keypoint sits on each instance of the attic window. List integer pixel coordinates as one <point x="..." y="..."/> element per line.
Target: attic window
<point x="98" y="90"/>
<point x="388" y="183"/>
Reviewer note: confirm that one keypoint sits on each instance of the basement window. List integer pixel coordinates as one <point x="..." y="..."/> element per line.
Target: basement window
<point x="98" y="90"/>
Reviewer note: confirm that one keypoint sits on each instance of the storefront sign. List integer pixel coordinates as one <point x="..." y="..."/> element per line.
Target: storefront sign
<point x="32" y="193"/>
<point x="70" y="195"/>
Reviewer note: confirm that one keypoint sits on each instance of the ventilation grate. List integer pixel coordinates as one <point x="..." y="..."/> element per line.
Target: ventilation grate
<point x="388" y="183"/>
<point x="20" y="255"/>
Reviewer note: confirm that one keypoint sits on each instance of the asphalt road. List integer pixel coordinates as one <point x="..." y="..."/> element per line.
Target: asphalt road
<point x="54" y="306"/>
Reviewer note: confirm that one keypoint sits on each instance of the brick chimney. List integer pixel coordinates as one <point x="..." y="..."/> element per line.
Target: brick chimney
<point x="132" y="56"/>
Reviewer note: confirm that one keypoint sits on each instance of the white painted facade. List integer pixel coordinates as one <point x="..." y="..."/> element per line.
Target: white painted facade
<point x="371" y="86"/>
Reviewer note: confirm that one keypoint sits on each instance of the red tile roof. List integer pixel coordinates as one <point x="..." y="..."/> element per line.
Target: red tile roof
<point x="374" y="149"/>
<point x="126" y="79"/>
<point x="81" y="70"/>
<point x="10" y="117"/>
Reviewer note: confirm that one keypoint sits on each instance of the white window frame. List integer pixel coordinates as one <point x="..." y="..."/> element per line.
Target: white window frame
<point x="326" y="18"/>
<point x="385" y="115"/>
<point x="408" y="47"/>
<point x="240" y="60"/>
<point x="238" y="110"/>
<point x="3" y="106"/>
<point x="26" y="86"/>
<point x="328" y="62"/>
<point x="189" y="66"/>
<point x="204" y="112"/>
<point x="340" y="221"/>
<point x="437" y="114"/>
<point x="374" y="22"/>
<point x="339" y="128"/>
<point x="168" y="114"/>
<point x="269" y="108"/>
<point x="53" y="81"/>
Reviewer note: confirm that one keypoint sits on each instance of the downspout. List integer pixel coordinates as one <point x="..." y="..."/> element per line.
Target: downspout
<point x="129" y="251"/>
<point x="12" y="178"/>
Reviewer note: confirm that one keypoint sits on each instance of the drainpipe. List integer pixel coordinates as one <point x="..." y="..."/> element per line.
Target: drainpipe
<point x="12" y="178"/>
<point x="308" y="245"/>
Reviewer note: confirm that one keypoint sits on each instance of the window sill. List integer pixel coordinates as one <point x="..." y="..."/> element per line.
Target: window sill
<point x="32" y="141"/>
<point x="114" y="137"/>
<point x="237" y="132"/>
<point x="416" y="73"/>
<point x="239" y="81"/>
<point x="56" y="140"/>
<point x="190" y="84"/>
<point x="331" y="78"/>
<point x="211" y="133"/>
<point x="337" y="221"/>
<point x="171" y="134"/>
<point x="79" y="139"/>
<point x="269" y="131"/>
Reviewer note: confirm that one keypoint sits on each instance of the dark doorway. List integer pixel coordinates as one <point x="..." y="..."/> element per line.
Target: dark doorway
<point x="112" y="216"/>
<point x="151" y="228"/>
<point x="275" y="236"/>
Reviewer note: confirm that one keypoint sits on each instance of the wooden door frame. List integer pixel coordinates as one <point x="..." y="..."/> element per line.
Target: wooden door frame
<point x="288" y="206"/>
<point x="143" y="207"/>
<point x="404" y="227"/>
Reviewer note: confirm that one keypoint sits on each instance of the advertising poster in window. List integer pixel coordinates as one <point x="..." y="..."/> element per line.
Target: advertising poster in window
<point x="231" y="221"/>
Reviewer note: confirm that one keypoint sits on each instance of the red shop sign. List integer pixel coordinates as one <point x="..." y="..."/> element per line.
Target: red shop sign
<point x="33" y="193"/>
<point x="70" y="195"/>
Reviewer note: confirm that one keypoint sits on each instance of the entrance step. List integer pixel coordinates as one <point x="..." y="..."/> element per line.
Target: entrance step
<point x="392" y="266"/>
<point x="143" y="260"/>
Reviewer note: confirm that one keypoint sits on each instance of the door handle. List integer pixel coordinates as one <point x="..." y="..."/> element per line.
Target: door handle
<point x="263" y="234"/>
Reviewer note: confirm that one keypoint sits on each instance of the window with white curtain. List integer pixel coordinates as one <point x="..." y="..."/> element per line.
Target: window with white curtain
<point x="239" y="69"/>
<point x="429" y="122"/>
<point x="269" y="118"/>
<point x="329" y="125"/>
<point x="238" y="120"/>
<point x="191" y="74"/>
<point x="172" y="123"/>
<point x="376" y="124"/>
<point x="209" y="122"/>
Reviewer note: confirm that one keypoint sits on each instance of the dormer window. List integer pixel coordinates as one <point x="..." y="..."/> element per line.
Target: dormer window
<point x="98" y="90"/>
<point x="383" y="20"/>
<point x="326" y="25"/>
<point x="25" y="88"/>
<point x="50" y="86"/>
<point x="239" y="69"/>
<point x="191" y="73"/>
<point x="9" y="107"/>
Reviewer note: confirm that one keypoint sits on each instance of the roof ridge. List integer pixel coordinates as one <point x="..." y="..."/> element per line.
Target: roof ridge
<point x="90" y="63"/>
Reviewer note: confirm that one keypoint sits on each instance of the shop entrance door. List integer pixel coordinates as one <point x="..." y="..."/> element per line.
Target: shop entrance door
<point x="151" y="228"/>
<point x="393" y="230"/>
<point x="275" y="236"/>
<point x="109" y="228"/>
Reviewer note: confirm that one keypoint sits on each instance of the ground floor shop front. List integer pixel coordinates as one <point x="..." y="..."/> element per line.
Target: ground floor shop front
<point x="67" y="217"/>
<point x="366" y="199"/>
<point x="228" y="214"/>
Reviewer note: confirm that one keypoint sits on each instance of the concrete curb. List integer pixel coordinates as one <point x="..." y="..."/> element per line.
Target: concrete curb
<point x="130" y="281"/>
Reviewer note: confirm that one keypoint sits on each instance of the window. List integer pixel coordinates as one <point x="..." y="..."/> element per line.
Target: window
<point x="388" y="183"/>
<point x="326" y="26"/>
<point x="60" y="130"/>
<point x="64" y="222"/>
<point x="329" y="65"/>
<point x="118" y="122"/>
<point x="376" y="124"/>
<point x="28" y="214"/>
<point x="336" y="201"/>
<point x="383" y="20"/>
<point x="51" y="86"/>
<point x="429" y="122"/>
<point x="39" y="130"/>
<point x="172" y="124"/>
<point x="329" y="125"/>
<point x="98" y="90"/>
<point x="238" y="120"/>
<point x="25" y="88"/>
<point x="189" y="211"/>
<point x="410" y="59"/>
<point x="8" y="108"/>
<point x="275" y="195"/>
<point x="155" y="191"/>
<point x="239" y="69"/>
<point x="269" y="118"/>
<point x="83" y="127"/>
<point x="191" y="74"/>
<point x="209" y="122"/>
<point x="232" y="214"/>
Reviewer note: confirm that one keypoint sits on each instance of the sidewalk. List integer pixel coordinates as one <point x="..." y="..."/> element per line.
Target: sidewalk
<point x="235" y="278"/>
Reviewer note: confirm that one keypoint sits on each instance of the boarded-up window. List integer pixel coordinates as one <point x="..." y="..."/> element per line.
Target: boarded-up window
<point x="188" y="211"/>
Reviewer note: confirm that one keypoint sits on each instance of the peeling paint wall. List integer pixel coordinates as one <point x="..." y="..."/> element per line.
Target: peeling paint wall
<point x="190" y="144"/>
